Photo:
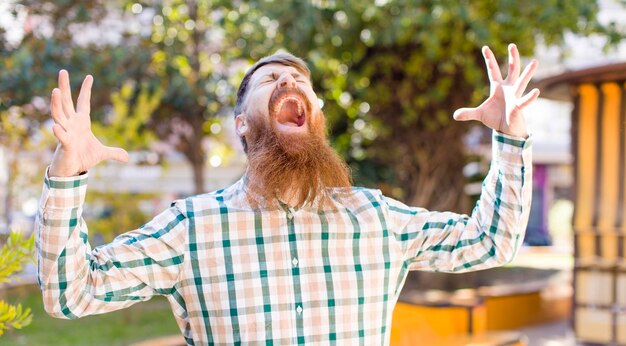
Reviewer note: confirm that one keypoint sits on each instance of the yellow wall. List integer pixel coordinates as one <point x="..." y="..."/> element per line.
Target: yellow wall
<point x="607" y="182"/>
<point x="598" y="211"/>
<point x="585" y="160"/>
<point x="586" y="168"/>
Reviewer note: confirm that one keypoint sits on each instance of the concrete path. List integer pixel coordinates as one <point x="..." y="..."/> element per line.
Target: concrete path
<point x="555" y="334"/>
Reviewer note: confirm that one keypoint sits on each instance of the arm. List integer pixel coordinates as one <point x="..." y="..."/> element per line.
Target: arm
<point x="77" y="281"/>
<point x="495" y="230"/>
<point x="490" y="237"/>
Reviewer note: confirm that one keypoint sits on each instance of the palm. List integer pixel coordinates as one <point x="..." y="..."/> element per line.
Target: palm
<point x="503" y="110"/>
<point x="85" y="148"/>
<point x="79" y="149"/>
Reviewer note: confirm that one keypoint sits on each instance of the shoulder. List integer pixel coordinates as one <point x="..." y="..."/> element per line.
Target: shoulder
<point x="357" y="198"/>
<point x="361" y="198"/>
<point x="226" y="197"/>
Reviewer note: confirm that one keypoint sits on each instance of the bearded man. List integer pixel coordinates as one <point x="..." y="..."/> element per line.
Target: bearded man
<point x="291" y="253"/>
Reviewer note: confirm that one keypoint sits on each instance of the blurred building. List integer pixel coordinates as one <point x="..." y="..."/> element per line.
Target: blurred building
<point x="168" y="177"/>
<point x="174" y="178"/>
<point x="549" y="123"/>
<point x="599" y="149"/>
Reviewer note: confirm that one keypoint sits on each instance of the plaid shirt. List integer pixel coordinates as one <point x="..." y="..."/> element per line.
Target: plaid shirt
<point x="233" y="274"/>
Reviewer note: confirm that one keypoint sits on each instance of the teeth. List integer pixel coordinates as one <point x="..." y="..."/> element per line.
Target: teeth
<point x="289" y="98"/>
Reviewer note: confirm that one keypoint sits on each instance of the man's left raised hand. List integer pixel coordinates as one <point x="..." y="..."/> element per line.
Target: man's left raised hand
<point x="503" y="110"/>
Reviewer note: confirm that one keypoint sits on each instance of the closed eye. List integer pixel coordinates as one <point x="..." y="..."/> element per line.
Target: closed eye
<point x="270" y="78"/>
<point x="299" y="78"/>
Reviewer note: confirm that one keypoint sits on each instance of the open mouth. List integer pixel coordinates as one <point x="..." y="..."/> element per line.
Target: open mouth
<point x="289" y="107"/>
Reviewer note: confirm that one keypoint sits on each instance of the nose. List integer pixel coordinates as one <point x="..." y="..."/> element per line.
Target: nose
<point x="286" y="80"/>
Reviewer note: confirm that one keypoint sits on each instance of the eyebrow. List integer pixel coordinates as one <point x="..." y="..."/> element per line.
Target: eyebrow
<point x="293" y="74"/>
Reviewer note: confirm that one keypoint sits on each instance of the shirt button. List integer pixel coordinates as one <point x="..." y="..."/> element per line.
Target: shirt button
<point x="299" y="310"/>
<point x="294" y="261"/>
<point x="289" y="215"/>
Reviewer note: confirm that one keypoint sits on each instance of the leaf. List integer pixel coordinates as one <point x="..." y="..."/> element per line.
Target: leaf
<point x="14" y="254"/>
<point x="13" y="316"/>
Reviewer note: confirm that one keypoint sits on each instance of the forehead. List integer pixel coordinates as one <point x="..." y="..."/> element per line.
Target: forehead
<point x="275" y="68"/>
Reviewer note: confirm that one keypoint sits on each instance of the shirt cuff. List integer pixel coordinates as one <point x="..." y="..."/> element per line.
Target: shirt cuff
<point x="64" y="192"/>
<point x="510" y="150"/>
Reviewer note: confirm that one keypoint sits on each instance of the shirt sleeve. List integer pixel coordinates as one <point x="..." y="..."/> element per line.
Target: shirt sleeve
<point x="76" y="280"/>
<point x="491" y="236"/>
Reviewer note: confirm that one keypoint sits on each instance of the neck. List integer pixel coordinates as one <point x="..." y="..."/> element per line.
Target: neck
<point x="287" y="194"/>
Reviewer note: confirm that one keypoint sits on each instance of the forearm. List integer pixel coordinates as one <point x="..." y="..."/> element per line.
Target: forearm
<point x="503" y="209"/>
<point x="71" y="286"/>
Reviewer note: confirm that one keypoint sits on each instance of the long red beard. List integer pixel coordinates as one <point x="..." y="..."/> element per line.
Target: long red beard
<point x="297" y="169"/>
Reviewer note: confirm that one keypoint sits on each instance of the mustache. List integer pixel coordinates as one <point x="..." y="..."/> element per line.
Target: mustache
<point x="281" y="92"/>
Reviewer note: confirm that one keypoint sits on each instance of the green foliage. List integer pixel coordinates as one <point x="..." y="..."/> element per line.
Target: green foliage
<point x="178" y="54"/>
<point x="14" y="254"/>
<point x="12" y="316"/>
<point x="131" y="113"/>
<point x="188" y="56"/>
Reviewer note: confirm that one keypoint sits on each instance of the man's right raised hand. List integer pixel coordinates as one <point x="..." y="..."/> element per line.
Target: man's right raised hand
<point x="79" y="149"/>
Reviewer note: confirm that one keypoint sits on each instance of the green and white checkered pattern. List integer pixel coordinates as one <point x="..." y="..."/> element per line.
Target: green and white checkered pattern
<point x="238" y="275"/>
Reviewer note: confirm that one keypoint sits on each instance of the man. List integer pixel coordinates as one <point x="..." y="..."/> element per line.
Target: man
<point x="290" y="253"/>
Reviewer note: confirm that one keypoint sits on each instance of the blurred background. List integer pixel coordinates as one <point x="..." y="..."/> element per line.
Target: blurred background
<point x="389" y="75"/>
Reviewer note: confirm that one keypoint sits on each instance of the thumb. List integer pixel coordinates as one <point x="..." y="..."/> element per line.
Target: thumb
<point x="118" y="154"/>
<point x="465" y="114"/>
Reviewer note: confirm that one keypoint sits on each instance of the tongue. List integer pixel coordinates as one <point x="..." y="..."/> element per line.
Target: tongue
<point x="300" y="121"/>
<point x="288" y="114"/>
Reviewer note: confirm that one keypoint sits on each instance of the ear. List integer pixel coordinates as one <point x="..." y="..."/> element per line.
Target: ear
<point x="241" y="125"/>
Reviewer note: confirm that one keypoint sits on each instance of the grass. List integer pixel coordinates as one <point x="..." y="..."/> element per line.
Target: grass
<point x="141" y="321"/>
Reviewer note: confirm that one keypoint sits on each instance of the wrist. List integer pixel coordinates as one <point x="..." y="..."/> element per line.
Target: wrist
<point x="61" y="173"/>
<point x="516" y="134"/>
